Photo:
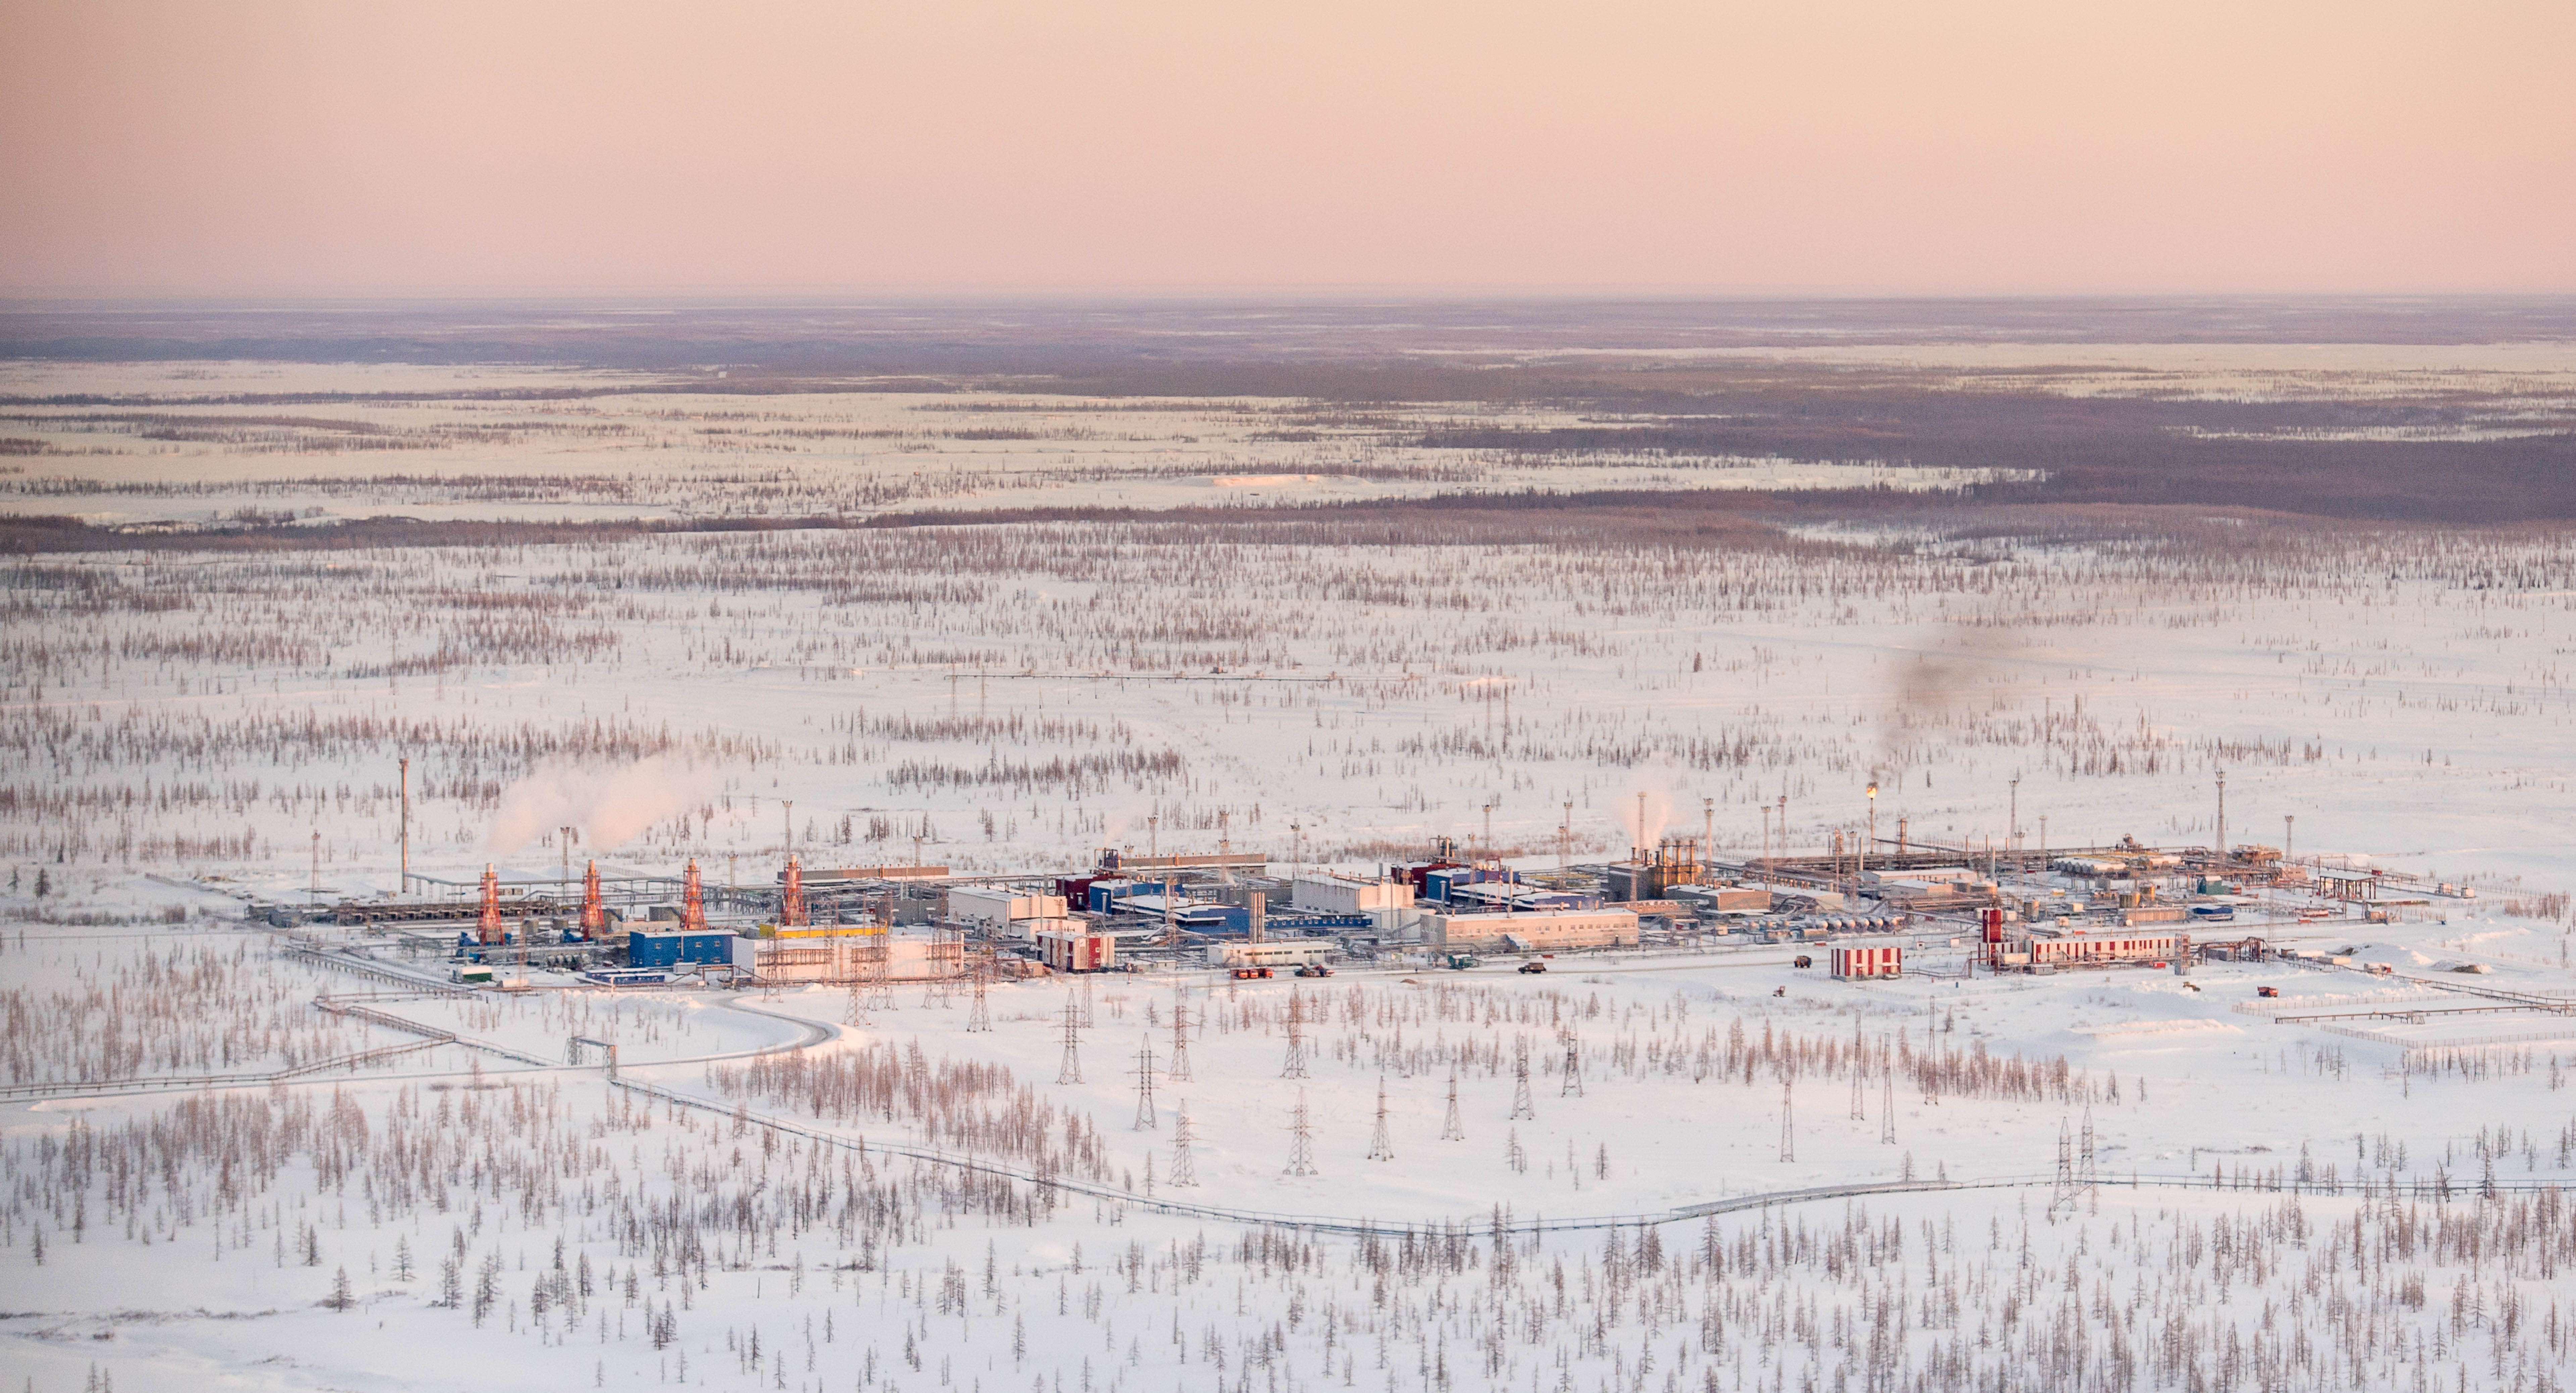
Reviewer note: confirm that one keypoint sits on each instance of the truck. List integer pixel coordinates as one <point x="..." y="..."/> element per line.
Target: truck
<point x="471" y="974"/>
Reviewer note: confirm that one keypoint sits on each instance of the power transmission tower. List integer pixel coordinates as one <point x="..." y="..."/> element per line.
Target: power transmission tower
<point x="1301" y="1141"/>
<point x="1573" y="1085"/>
<point x="1087" y="1021"/>
<point x="979" y="1016"/>
<point x="2084" y="1155"/>
<point x="1887" y="1106"/>
<point x="936" y="985"/>
<point x="1788" y="1124"/>
<point x="1522" y="1107"/>
<point x="2062" y="1189"/>
<point x="1071" y="1072"/>
<point x="1185" y="1173"/>
<point x="1145" y="1120"/>
<point x="1296" y="1066"/>
<point x="1380" y="1149"/>
<point x="880" y="971"/>
<point x="1453" y="1129"/>
<point x="1860" y="1081"/>
<point x="1180" y="1070"/>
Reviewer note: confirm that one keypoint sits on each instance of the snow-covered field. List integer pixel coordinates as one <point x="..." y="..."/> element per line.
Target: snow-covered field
<point x="2270" y="1205"/>
<point x="2247" y="1205"/>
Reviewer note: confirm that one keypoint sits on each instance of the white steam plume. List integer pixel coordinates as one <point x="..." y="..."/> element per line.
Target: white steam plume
<point x="609" y="805"/>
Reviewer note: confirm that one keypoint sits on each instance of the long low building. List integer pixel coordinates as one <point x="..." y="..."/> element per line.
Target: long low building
<point x="1284" y="952"/>
<point x="1534" y="933"/>
<point x="2067" y="947"/>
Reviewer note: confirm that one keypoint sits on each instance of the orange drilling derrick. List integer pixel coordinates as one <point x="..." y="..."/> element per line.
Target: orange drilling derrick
<point x="594" y="915"/>
<point x="693" y="902"/>
<point x="487" y="927"/>
<point x="791" y="904"/>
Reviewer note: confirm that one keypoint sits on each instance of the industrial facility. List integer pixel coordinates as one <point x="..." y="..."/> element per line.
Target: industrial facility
<point x="1880" y="907"/>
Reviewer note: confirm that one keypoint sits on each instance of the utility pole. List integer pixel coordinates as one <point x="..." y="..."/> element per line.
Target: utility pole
<point x="1788" y="1128"/>
<point x="406" y="824"/>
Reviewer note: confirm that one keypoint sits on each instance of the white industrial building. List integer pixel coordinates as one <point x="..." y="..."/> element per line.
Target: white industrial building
<point x="1534" y="933"/>
<point x="1327" y="893"/>
<point x="1005" y="912"/>
<point x="1077" y="951"/>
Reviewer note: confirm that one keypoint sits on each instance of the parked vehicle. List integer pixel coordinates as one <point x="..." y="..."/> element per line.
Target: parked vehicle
<point x="1460" y="962"/>
<point x="1533" y="966"/>
<point x="1246" y="974"/>
<point x="1802" y="960"/>
<point x="2267" y="991"/>
<point x="1314" y="970"/>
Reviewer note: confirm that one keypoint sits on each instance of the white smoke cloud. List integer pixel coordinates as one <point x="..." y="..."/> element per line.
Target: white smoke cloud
<point x="608" y="805"/>
<point x="1658" y="801"/>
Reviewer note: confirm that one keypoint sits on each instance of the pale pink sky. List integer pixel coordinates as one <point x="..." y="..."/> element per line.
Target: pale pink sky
<point x="258" y="146"/>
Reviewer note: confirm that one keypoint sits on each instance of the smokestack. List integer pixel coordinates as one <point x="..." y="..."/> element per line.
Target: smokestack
<point x="487" y="926"/>
<point x="1260" y="916"/>
<point x="791" y="899"/>
<point x="2222" y="817"/>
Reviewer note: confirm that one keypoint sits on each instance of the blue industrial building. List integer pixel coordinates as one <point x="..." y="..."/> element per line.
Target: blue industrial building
<point x="644" y="949"/>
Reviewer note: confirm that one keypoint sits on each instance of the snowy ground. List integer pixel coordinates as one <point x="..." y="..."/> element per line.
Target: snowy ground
<point x="176" y="729"/>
